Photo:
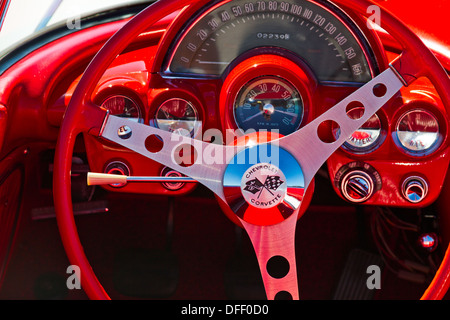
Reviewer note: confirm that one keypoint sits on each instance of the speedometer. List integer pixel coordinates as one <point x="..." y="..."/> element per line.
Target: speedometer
<point x="312" y="31"/>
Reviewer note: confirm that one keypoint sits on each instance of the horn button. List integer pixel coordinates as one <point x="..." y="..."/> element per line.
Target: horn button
<point x="264" y="184"/>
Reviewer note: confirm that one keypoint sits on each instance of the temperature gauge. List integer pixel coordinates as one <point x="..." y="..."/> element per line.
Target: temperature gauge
<point x="417" y="131"/>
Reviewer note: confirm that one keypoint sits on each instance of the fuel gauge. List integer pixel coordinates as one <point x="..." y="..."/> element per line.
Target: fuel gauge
<point x="418" y="132"/>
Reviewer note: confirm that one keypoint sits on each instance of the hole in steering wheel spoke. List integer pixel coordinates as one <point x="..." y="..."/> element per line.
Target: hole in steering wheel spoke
<point x="283" y="295"/>
<point x="355" y="110"/>
<point x="329" y="131"/>
<point x="278" y="267"/>
<point x="379" y="90"/>
<point x="154" y="143"/>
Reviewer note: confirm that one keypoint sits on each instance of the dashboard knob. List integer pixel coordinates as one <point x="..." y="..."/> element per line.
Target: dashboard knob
<point x="117" y="167"/>
<point x="414" y="189"/>
<point x="357" y="186"/>
<point x="172" y="186"/>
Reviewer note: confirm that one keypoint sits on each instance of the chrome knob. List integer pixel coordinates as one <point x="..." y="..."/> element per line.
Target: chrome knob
<point x="357" y="186"/>
<point x="172" y="186"/>
<point x="414" y="189"/>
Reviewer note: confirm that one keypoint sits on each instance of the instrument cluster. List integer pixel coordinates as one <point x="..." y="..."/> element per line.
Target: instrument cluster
<point x="275" y="66"/>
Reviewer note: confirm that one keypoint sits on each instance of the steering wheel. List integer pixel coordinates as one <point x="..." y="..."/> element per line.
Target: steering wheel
<point x="272" y="236"/>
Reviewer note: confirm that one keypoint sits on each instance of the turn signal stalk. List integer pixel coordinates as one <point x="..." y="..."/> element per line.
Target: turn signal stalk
<point x="95" y="179"/>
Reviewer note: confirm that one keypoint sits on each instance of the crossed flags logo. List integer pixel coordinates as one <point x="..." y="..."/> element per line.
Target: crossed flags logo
<point x="263" y="186"/>
<point x="271" y="183"/>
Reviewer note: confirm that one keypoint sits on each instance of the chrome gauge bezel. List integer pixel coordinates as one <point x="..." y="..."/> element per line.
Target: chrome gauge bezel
<point x="194" y="132"/>
<point x="137" y="106"/>
<point x="403" y="146"/>
<point x="374" y="145"/>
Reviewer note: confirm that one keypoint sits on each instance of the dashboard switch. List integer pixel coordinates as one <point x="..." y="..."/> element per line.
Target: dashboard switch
<point x="357" y="186"/>
<point x="172" y="186"/>
<point x="414" y="189"/>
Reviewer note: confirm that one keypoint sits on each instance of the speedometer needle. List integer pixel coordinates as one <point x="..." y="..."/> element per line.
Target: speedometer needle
<point x="285" y="112"/>
<point x="253" y="116"/>
<point x="261" y="113"/>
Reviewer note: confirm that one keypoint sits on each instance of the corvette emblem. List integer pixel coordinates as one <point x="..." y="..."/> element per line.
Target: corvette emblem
<point x="272" y="183"/>
<point x="263" y="185"/>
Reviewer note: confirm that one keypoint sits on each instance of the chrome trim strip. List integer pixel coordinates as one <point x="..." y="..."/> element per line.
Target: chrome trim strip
<point x="399" y="76"/>
<point x="104" y="123"/>
<point x="5" y="7"/>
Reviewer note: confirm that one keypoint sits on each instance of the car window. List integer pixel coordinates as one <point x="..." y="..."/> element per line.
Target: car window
<point x="27" y="17"/>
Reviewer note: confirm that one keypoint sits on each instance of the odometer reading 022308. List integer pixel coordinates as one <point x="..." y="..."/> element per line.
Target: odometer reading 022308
<point x="309" y="30"/>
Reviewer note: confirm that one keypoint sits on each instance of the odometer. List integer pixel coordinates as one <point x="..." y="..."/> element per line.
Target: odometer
<point x="313" y="32"/>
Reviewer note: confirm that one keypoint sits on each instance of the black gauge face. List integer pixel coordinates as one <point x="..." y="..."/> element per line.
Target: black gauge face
<point x="418" y="131"/>
<point x="268" y="103"/>
<point x="306" y="29"/>
<point x="178" y="116"/>
<point x="122" y="106"/>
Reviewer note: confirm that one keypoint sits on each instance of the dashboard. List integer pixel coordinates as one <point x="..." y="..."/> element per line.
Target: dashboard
<point x="241" y="66"/>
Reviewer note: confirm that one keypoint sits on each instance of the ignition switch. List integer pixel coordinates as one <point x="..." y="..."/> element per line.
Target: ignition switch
<point x="358" y="181"/>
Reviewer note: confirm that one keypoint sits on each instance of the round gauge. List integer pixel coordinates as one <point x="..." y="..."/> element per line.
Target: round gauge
<point x="123" y="106"/>
<point x="417" y="131"/>
<point x="178" y="116"/>
<point x="366" y="137"/>
<point x="268" y="103"/>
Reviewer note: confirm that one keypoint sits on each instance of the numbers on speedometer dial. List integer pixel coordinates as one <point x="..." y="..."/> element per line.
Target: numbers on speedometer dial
<point x="268" y="103"/>
<point x="313" y="32"/>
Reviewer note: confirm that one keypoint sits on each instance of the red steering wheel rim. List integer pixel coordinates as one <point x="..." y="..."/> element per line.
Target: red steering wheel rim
<point x="82" y="116"/>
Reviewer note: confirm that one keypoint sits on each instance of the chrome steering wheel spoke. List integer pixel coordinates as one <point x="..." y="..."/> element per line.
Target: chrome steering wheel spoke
<point x="305" y="144"/>
<point x="312" y="152"/>
<point x="138" y="137"/>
